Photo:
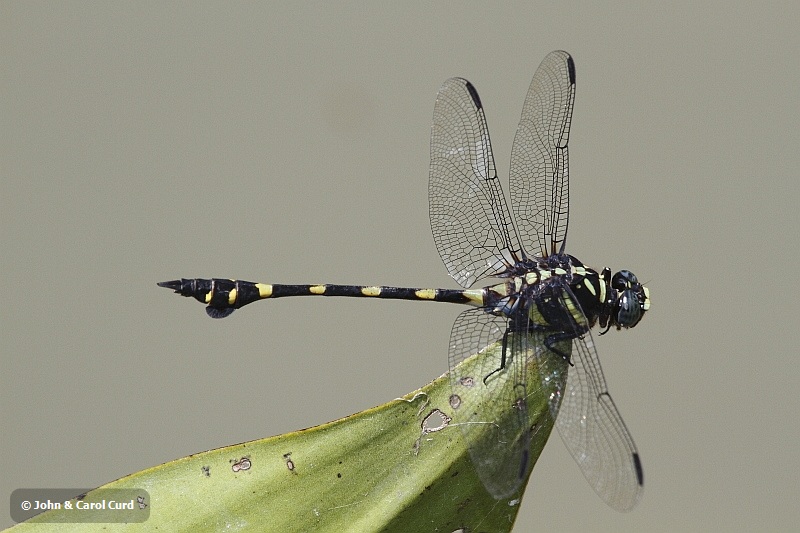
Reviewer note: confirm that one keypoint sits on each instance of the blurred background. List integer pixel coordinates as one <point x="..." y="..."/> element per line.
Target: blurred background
<point x="144" y="142"/>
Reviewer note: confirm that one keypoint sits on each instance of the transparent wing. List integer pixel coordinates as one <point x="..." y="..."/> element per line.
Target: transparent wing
<point x="591" y="427"/>
<point x="470" y="220"/>
<point x="539" y="161"/>
<point x="489" y="404"/>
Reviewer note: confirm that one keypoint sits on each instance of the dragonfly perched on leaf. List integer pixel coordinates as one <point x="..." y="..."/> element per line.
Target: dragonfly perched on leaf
<point x="532" y="329"/>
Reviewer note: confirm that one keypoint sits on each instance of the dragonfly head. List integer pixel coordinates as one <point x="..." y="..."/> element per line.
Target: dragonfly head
<point x="627" y="300"/>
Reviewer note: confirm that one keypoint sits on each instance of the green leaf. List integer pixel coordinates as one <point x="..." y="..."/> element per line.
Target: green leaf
<point x="402" y="466"/>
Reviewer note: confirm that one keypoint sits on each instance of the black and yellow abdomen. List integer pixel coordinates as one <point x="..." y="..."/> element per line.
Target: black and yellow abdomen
<point x="224" y="296"/>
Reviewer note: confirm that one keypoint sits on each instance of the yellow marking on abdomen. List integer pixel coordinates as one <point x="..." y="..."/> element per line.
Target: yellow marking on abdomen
<point x="232" y="297"/>
<point x="317" y="289"/>
<point x="475" y="296"/>
<point x="425" y="294"/>
<point x="500" y="288"/>
<point x="370" y="291"/>
<point x="264" y="290"/>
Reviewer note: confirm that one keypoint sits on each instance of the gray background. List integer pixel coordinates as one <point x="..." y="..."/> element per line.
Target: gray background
<point x="146" y="142"/>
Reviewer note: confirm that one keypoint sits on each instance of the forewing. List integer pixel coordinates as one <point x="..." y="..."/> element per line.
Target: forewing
<point x="470" y="219"/>
<point x="593" y="430"/>
<point x="489" y="404"/>
<point x="539" y="160"/>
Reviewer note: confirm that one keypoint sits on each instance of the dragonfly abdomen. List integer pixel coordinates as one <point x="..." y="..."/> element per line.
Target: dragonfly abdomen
<point x="223" y="296"/>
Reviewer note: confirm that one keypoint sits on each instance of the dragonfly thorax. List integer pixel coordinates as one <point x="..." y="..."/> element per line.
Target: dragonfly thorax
<point x="614" y="301"/>
<point x="530" y="281"/>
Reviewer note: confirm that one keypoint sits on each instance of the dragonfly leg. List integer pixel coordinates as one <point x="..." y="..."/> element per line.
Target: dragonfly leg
<point x="503" y="358"/>
<point x="551" y="340"/>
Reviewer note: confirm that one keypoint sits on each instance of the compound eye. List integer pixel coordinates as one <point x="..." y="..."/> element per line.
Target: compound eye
<point x="629" y="311"/>
<point x="624" y="279"/>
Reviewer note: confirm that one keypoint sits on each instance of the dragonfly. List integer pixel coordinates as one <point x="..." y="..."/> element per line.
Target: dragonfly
<point x="540" y="313"/>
